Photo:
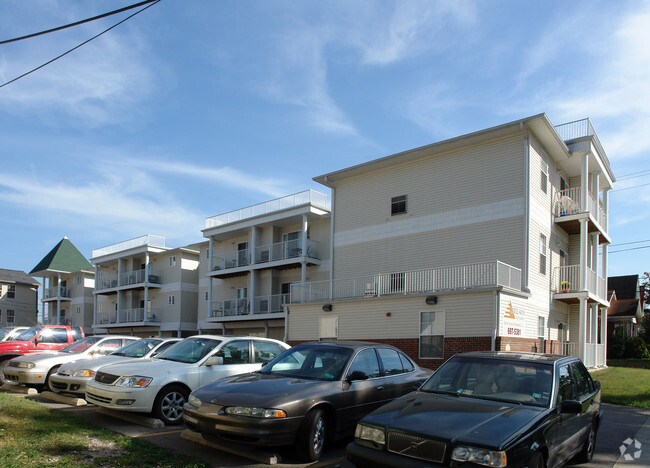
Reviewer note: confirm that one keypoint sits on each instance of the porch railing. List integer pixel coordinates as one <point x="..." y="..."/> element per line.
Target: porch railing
<point x="149" y="239"/>
<point x="580" y="129"/>
<point x="230" y="308"/>
<point x="470" y="276"/>
<point x="290" y="201"/>
<point x="127" y="278"/>
<point x="569" y="202"/>
<point x="127" y="316"/>
<point x="57" y="291"/>
<point x="566" y="279"/>
<point x="285" y="250"/>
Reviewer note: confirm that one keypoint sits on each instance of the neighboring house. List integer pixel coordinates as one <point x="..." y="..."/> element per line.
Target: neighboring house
<point x="254" y="255"/>
<point x="18" y="299"/>
<point x="146" y="289"/>
<point x="489" y="240"/>
<point x="68" y="282"/>
<point x="626" y="304"/>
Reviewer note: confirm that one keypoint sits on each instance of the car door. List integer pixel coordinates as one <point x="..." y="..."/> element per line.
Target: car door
<point x="236" y="357"/>
<point x="51" y="338"/>
<point x="360" y="397"/>
<point x="567" y="426"/>
<point x="397" y="382"/>
<point x="586" y="395"/>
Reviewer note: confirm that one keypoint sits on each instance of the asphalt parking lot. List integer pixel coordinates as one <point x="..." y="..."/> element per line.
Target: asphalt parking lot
<point x="620" y="423"/>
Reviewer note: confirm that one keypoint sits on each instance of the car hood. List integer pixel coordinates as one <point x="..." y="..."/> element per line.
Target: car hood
<point x="268" y="391"/>
<point x="149" y="367"/>
<point x="93" y="364"/>
<point x="39" y="356"/>
<point x="456" y="418"/>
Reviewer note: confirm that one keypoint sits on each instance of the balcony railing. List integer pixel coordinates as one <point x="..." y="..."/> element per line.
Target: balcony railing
<point x="230" y="308"/>
<point x="57" y="291"/>
<point x="136" y="315"/>
<point x="471" y="276"/>
<point x="266" y="253"/>
<point x="566" y="279"/>
<point x="149" y="239"/>
<point x="569" y="202"/>
<point x="134" y="277"/>
<point x="270" y="304"/>
<point x="581" y="129"/>
<point x="290" y="201"/>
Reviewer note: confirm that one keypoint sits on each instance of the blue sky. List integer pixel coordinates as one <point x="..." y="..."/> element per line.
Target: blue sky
<point x="195" y="108"/>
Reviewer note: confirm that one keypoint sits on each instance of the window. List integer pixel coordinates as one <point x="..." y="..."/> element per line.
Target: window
<point x="432" y="334"/>
<point x="584" y="384"/>
<point x="171" y="300"/>
<point x="392" y="362"/>
<point x="544" y="178"/>
<point x="292" y="244"/>
<point x="207" y="253"/>
<point x="11" y="291"/>
<point x="541" y="327"/>
<point x="542" y="254"/>
<point x="329" y="328"/>
<point x="265" y="351"/>
<point x="206" y="296"/>
<point x="566" y="390"/>
<point x="235" y="352"/>
<point x="78" y="310"/>
<point x="11" y="316"/>
<point x="77" y="279"/>
<point x="398" y="205"/>
<point x="563" y="258"/>
<point x="563" y="184"/>
<point x="172" y="261"/>
<point x="54" y="335"/>
<point x="366" y="362"/>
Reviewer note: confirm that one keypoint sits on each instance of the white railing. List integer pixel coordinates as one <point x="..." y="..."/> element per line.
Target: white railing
<point x="566" y="279"/>
<point x="136" y="315"/>
<point x="106" y="282"/>
<point x="475" y="275"/>
<point x="270" y="304"/>
<point x="568" y="349"/>
<point x="286" y="250"/>
<point x="149" y="239"/>
<point x="569" y="202"/>
<point x="290" y="201"/>
<point x="580" y="129"/>
<point x="139" y="276"/>
<point x="230" y="308"/>
<point x="57" y="291"/>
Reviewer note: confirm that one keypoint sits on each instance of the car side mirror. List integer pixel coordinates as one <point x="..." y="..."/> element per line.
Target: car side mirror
<point x="356" y="375"/>
<point x="597" y="384"/>
<point x="214" y="361"/>
<point x="570" y="407"/>
<point x="38" y="339"/>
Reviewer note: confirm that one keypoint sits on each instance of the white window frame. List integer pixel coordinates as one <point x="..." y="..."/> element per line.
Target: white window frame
<point x="11" y="291"/>
<point x="431" y="329"/>
<point x="541" y="326"/>
<point x="542" y="254"/>
<point x="172" y="261"/>
<point x="171" y="300"/>
<point x="78" y="310"/>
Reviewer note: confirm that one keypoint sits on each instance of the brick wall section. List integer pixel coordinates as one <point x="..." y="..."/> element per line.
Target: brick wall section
<point x="452" y="346"/>
<point x="527" y="345"/>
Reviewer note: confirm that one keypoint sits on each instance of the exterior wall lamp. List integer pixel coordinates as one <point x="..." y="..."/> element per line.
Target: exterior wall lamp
<point x="431" y="300"/>
<point x="327" y="308"/>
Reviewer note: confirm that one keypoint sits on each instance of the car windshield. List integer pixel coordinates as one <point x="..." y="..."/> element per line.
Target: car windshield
<point x="310" y="362"/>
<point x="137" y="349"/>
<point x="520" y="382"/>
<point x="81" y="345"/>
<point x="28" y="334"/>
<point x="189" y="350"/>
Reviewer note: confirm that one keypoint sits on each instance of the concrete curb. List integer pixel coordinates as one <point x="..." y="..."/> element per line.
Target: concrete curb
<point x="11" y="388"/>
<point x="152" y="423"/>
<point x="72" y="401"/>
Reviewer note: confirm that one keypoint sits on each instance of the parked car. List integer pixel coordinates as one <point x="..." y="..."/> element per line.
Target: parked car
<point x="10" y="333"/>
<point x="162" y="384"/>
<point x="73" y="376"/>
<point x="36" y="370"/>
<point x="311" y="394"/>
<point x="487" y="408"/>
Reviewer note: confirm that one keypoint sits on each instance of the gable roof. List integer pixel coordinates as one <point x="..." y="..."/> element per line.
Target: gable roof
<point x="626" y="287"/>
<point x="63" y="258"/>
<point x="624" y="308"/>
<point x="17" y="277"/>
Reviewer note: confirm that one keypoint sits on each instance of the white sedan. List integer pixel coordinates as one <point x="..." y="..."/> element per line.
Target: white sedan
<point x="162" y="384"/>
<point x="36" y="370"/>
<point x="73" y="376"/>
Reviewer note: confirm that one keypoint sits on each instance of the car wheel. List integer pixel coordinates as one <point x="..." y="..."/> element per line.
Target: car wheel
<point x="589" y="447"/>
<point x="3" y="364"/>
<point x="168" y="405"/>
<point x="537" y="461"/>
<point x="48" y="382"/>
<point x="312" y="435"/>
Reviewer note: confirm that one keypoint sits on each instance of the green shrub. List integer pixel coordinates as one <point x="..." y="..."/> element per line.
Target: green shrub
<point x="635" y="348"/>
<point x="616" y="345"/>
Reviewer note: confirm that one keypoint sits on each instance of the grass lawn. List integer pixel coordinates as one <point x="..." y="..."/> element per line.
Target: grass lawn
<point x="629" y="386"/>
<point x="33" y="435"/>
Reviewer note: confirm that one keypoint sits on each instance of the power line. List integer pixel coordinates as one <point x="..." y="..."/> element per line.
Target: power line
<point x="633" y="248"/>
<point x="628" y="188"/>
<point x="633" y="175"/>
<point x="629" y="243"/>
<point x="152" y="3"/>
<point x="7" y="41"/>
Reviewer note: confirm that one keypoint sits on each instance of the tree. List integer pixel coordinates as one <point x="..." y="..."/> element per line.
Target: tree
<point x="644" y="326"/>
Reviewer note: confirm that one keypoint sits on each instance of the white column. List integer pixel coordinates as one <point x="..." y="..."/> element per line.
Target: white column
<point x="253" y="244"/>
<point x="303" y="263"/>
<point x="603" y="334"/>
<point x="582" y="324"/>
<point x="119" y="293"/>
<point x="584" y="182"/>
<point x="146" y="287"/>
<point x="210" y="266"/>
<point x="58" y="301"/>
<point x="583" y="254"/>
<point x="594" y="251"/>
<point x="95" y="298"/>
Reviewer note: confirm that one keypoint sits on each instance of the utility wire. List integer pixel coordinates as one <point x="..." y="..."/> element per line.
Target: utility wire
<point x="626" y="250"/>
<point x="628" y="188"/>
<point x="152" y="3"/>
<point x="633" y="175"/>
<point x="7" y="41"/>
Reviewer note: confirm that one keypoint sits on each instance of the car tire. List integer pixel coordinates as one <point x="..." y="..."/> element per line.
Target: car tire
<point x="48" y="383"/>
<point x="589" y="447"/>
<point x="168" y="406"/>
<point x="3" y="364"/>
<point x="312" y="436"/>
<point x="537" y="461"/>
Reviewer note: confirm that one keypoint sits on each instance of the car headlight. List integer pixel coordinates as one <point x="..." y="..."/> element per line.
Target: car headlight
<point x="255" y="412"/>
<point x="84" y="373"/>
<point x="479" y="456"/>
<point x="194" y="401"/>
<point x="371" y="434"/>
<point x="138" y="381"/>
<point x="24" y="365"/>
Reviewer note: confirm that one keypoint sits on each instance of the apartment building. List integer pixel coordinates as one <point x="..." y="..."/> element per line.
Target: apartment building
<point x="252" y="257"/>
<point x="18" y="299"/>
<point x="68" y="282"/>
<point x="144" y="288"/>
<point x="490" y="240"/>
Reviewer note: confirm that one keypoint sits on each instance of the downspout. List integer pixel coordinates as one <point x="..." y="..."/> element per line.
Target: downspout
<point x="524" y="270"/>
<point x="332" y="203"/>
<point x="495" y="330"/>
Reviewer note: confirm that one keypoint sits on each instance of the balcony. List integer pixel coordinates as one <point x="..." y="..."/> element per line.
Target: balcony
<point x="130" y="279"/>
<point x="453" y="278"/>
<point x="308" y="197"/>
<point x="57" y="292"/>
<point x="263" y="306"/>
<point x="582" y="129"/>
<point x="566" y="285"/>
<point x="127" y="316"/>
<point x="285" y="254"/>
<point x="151" y="240"/>
<point x="568" y="210"/>
<point x="230" y="308"/>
